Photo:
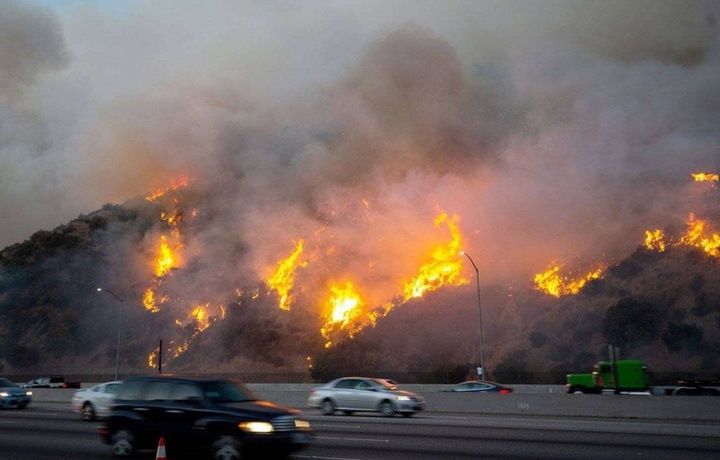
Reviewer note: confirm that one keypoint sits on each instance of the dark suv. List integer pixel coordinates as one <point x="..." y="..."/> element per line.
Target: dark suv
<point x="210" y="416"/>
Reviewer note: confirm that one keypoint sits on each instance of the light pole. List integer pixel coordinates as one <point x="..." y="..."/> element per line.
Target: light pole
<point x="481" y="372"/>
<point x="117" y="353"/>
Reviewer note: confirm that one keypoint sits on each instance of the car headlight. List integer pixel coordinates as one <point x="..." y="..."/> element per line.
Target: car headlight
<point x="4" y="394"/>
<point x="302" y="424"/>
<point x="403" y="398"/>
<point x="257" y="427"/>
<point x="28" y="393"/>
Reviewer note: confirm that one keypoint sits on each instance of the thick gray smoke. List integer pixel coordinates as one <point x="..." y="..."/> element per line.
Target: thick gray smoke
<point x="556" y="130"/>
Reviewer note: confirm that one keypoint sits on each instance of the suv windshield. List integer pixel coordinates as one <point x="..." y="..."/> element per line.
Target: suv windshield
<point x="223" y="391"/>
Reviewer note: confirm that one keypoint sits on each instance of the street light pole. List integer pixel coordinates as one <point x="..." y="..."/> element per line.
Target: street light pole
<point x="117" y="353"/>
<point x="480" y="325"/>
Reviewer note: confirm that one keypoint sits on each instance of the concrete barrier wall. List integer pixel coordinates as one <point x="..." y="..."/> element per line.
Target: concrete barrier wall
<point x="546" y="400"/>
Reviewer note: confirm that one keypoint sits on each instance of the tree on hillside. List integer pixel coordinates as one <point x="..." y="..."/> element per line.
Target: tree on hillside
<point x="630" y="323"/>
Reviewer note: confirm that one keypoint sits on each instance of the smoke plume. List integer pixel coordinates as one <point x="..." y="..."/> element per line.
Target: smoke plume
<point x="558" y="130"/>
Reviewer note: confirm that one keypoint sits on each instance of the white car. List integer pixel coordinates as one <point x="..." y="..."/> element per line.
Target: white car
<point x="94" y="402"/>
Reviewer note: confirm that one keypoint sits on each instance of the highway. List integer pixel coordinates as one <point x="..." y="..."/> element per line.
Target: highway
<point x="50" y="430"/>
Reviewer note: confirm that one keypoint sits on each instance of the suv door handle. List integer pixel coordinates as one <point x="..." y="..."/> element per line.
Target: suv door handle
<point x="141" y="409"/>
<point x="174" y="411"/>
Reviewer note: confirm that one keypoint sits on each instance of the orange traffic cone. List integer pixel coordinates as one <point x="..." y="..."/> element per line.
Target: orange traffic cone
<point x="161" y="450"/>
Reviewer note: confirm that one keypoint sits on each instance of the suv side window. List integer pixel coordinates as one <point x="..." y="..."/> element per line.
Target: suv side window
<point x="186" y="393"/>
<point x="159" y="391"/>
<point x="130" y="390"/>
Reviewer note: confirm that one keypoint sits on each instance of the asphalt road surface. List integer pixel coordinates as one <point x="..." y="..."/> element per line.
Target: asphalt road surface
<point x="51" y="431"/>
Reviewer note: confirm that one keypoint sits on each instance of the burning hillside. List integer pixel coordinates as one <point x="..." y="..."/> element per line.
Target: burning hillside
<point x="290" y="188"/>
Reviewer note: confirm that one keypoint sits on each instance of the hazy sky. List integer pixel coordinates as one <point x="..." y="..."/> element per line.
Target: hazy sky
<point x="553" y="129"/>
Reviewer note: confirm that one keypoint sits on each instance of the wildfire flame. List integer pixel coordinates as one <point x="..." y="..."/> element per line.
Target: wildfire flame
<point x="696" y="236"/>
<point x="552" y="283"/>
<point x="444" y="265"/>
<point x="442" y="268"/>
<point x="706" y="177"/>
<point x="166" y="260"/>
<point x="150" y="302"/>
<point x="284" y="277"/>
<point x="201" y="316"/>
<point x="345" y="306"/>
<point x="175" y="184"/>
<point x="655" y="240"/>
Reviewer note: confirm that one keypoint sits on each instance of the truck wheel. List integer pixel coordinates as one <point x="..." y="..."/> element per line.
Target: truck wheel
<point x="577" y="391"/>
<point x="227" y="447"/>
<point x="682" y="392"/>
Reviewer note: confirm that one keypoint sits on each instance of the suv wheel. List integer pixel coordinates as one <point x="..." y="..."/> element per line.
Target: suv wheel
<point x="87" y="413"/>
<point x="122" y="443"/>
<point x="227" y="447"/>
<point x="386" y="409"/>
<point x="327" y="407"/>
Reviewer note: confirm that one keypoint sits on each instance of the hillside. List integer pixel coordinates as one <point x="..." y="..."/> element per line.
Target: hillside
<point x="662" y="307"/>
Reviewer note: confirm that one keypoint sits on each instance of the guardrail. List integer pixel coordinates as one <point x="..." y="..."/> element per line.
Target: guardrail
<point x="541" y="400"/>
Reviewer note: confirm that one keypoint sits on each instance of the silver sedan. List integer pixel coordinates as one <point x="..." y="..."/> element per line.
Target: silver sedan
<point x="94" y="403"/>
<point x="364" y="394"/>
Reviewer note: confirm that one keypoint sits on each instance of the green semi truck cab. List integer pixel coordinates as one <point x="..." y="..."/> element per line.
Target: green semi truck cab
<point x="622" y="376"/>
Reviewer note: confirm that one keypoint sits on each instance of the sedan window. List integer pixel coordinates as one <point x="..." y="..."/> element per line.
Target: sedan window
<point x="112" y="388"/>
<point x="347" y="383"/>
<point x="363" y="385"/>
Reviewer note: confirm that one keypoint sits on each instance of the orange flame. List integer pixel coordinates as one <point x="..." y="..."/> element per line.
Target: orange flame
<point x="655" y="240"/>
<point x="175" y="184"/>
<point x="444" y="265"/>
<point x="153" y="358"/>
<point x="166" y="260"/>
<point x="706" y="177"/>
<point x="201" y="317"/>
<point x="200" y="320"/>
<point x="696" y="236"/>
<point x="552" y="283"/>
<point x="345" y="306"/>
<point x="284" y="277"/>
<point x="150" y="302"/>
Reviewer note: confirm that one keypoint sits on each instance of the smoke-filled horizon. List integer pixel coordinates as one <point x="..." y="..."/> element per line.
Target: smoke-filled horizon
<point x="558" y="130"/>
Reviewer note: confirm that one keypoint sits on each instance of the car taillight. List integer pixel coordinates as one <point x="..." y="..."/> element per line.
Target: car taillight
<point x="505" y="391"/>
<point x="64" y="385"/>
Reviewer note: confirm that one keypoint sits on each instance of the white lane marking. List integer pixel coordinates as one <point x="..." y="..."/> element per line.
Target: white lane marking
<point x="326" y="458"/>
<point x="345" y="438"/>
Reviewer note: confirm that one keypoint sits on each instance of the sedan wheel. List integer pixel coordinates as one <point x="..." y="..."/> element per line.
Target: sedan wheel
<point x="327" y="407"/>
<point x="87" y="413"/>
<point x="227" y="447"/>
<point x="123" y="443"/>
<point x="386" y="409"/>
